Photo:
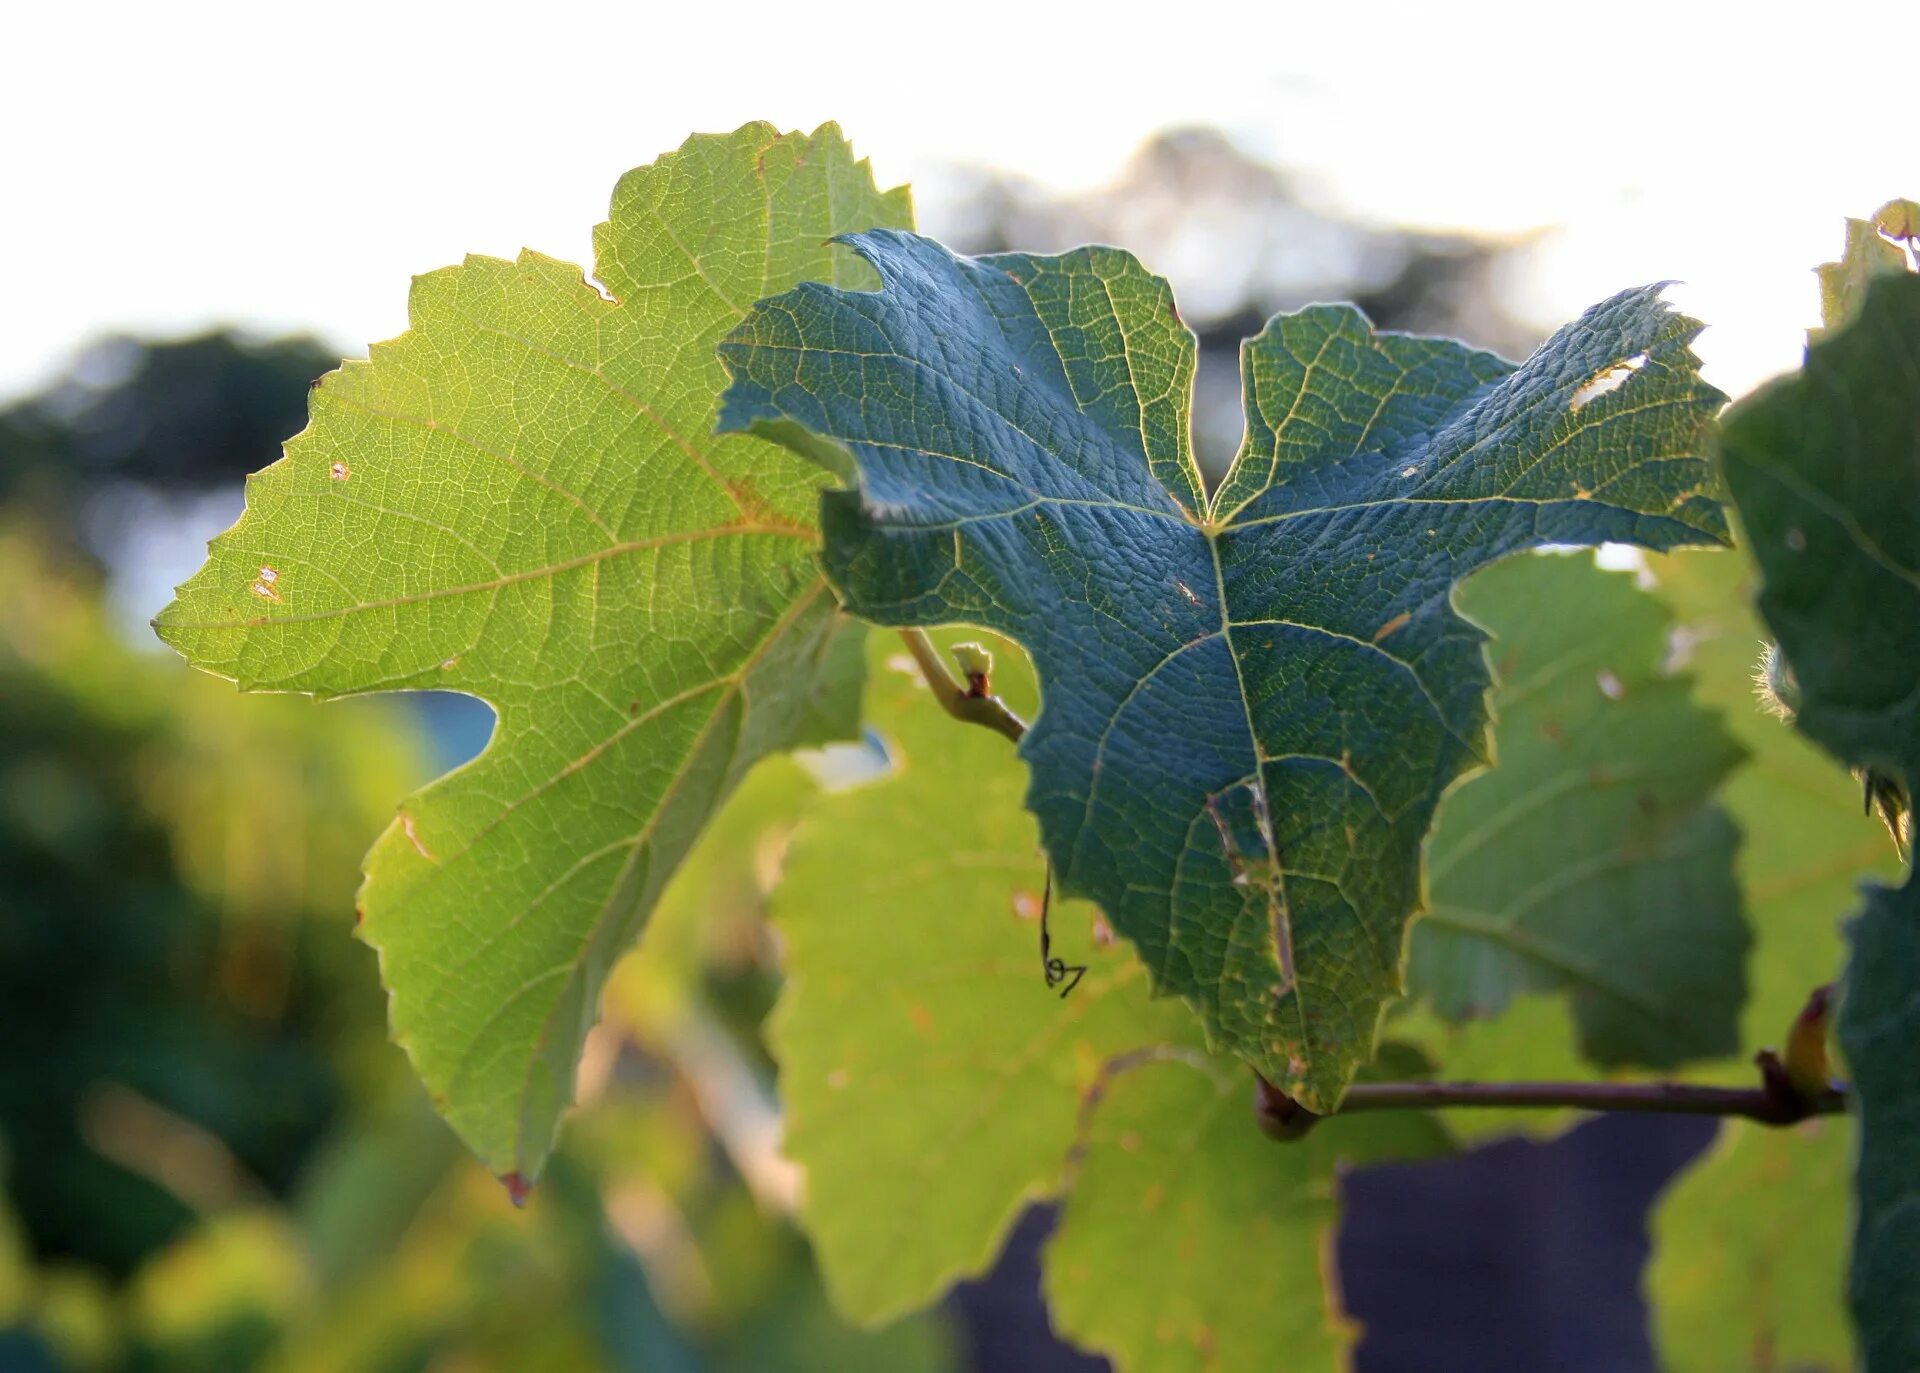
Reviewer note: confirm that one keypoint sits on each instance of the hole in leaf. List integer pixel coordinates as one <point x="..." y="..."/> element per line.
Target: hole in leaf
<point x="1607" y="379"/>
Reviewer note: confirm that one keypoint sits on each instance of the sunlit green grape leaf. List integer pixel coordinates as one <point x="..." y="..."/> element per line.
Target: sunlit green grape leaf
<point x="1870" y="252"/>
<point x="1190" y="1242"/>
<point x="713" y="912"/>
<point x="1255" y="701"/>
<point x="1825" y="467"/>
<point x="935" y="1085"/>
<point x="1591" y="860"/>
<point x="1749" y="1243"/>
<point x="931" y="1079"/>
<point x="520" y="499"/>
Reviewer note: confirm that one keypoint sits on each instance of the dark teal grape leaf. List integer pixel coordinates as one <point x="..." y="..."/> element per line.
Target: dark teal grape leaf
<point x="521" y="499"/>
<point x="1825" y="468"/>
<point x="1592" y="861"/>
<point x="1253" y="702"/>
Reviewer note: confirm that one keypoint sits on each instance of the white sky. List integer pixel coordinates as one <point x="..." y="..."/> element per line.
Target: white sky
<point x="168" y="166"/>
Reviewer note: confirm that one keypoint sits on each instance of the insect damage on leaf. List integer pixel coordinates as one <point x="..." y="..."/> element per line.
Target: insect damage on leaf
<point x="1235" y="761"/>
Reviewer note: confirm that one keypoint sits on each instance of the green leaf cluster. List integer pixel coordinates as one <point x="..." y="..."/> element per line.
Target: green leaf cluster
<point x="1272" y="723"/>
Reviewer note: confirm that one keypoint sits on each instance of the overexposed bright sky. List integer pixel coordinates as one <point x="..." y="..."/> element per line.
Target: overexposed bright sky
<point x="165" y="167"/>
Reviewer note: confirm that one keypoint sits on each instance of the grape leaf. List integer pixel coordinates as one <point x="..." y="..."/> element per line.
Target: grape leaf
<point x="1804" y="837"/>
<point x="1869" y="253"/>
<point x="1591" y="859"/>
<point x="519" y="499"/>
<point x="1756" y="1280"/>
<point x="932" y="1083"/>
<point x="1825" y="468"/>
<point x="1191" y="1242"/>
<point x="713" y="912"/>
<point x="1254" y="701"/>
<point x="1747" y="1253"/>
<point x="935" y="1086"/>
<point x="1880" y="1032"/>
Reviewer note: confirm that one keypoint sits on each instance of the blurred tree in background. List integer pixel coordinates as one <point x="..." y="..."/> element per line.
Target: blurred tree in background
<point x="188" y="413"/>
<point x="213" y="1157"/>
<point x="1241" y="240"/>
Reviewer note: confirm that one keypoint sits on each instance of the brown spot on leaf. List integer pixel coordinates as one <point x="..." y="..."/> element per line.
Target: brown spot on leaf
<point x="922" y="1019"/>
<point x="1203" y="1341"/>
<point x="1399" y="621"/>
<point x="1026" y="904"/>
<point x="413" y="838"/>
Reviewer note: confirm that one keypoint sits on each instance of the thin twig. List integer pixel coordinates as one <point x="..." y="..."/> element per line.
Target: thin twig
<point x="956" y="697"/>
<point x="1671" y="1098"/>
<point x="1776" y="1101"/>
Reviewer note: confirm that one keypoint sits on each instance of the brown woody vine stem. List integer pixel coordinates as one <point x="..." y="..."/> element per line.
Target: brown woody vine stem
<point x="1775" y="1101"/>
<point x="968" y="701"/>
<point x="1284" y="1118"/>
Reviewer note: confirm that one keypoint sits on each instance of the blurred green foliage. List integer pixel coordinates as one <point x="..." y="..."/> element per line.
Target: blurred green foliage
<point x="213" y="1157"/>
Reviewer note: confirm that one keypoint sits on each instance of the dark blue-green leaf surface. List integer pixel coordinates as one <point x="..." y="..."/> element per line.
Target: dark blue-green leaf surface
<point x="1825" y="466"/>
<point x="1253" y="701"/>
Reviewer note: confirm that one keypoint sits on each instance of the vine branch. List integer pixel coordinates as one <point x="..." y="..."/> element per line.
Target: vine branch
<point x="1284" y="1118"/>
<point x="1788" y="1092"/>
<point x="972" y="701"/>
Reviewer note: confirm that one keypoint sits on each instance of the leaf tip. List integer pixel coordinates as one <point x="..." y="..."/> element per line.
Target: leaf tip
<point x="519" y="1188"/>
